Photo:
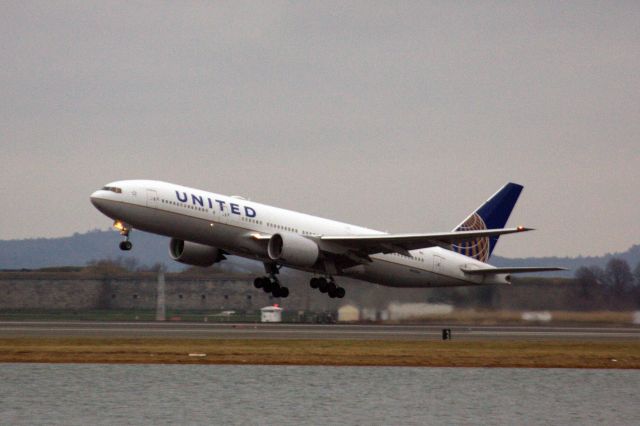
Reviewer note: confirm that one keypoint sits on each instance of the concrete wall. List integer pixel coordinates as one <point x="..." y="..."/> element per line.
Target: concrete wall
<point x="51" y="294"/>
<point x="82" y="290"/>
<point x="70" y="290"/>
<point x="54" y="291"/>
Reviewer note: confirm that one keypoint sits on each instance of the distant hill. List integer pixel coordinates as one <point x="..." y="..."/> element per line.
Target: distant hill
<point x="149" y="249"/>
<point x="79" y="249"/>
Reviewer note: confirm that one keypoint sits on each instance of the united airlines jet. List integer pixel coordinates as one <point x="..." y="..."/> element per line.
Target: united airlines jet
<point x="204" y="227"/>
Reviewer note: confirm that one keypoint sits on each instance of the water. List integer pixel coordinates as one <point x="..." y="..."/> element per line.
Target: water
<point x="80" y="394"/>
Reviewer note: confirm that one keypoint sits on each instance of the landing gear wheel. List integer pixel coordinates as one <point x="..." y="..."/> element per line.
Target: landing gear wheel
<point x="277" y="290"/>
<point x="323" y="285"/>
<point x="126" y="245"/>
<point x="314" y="282"/>
<point x="332" y="290"/>
<point x="340" y="292"/>
<point x="274" y="285"/>
<point x="257" y="283"/>
<point x="270" y="283"/>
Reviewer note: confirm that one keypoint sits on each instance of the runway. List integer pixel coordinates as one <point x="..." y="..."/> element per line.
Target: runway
<point x="175" y="330"/>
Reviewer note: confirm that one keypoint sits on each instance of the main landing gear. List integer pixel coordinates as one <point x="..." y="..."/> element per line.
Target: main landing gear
<point x="125" y="245"/>
<point x="271" y="285"/>
<point x="327" y="286"/>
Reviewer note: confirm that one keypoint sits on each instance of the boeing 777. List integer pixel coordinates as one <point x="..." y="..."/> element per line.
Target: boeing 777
<point x="205" y="226"/>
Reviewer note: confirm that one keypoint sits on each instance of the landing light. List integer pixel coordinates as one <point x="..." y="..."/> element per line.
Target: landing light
<point x="118" y="225"/>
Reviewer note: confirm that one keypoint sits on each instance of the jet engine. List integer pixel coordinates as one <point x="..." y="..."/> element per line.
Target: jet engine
<point x="194" y="253"/>
<point x="293" y="249"/>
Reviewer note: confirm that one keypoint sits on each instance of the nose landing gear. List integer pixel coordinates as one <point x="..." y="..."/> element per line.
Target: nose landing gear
<point x="125" y="230"/>
<point x="126" y="245"/>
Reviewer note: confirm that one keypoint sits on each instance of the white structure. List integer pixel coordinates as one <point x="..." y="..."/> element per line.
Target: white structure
<point x="271" y="314"/>
<point x="405" y="311"/>
<point x="368" y="314"/>
<point x="348" y="313"/>
<point x="543" y="316"/>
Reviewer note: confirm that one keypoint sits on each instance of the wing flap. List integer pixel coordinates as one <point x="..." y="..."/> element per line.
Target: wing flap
<point x="511" y="270"/>
<point x="402" y="243"/>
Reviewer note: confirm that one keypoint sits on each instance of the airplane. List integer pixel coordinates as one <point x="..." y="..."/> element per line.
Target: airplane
<point x="205" y="227"/>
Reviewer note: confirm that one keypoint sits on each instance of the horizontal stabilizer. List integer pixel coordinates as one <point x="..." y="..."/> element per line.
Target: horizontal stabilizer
<point x="514" y="270"/>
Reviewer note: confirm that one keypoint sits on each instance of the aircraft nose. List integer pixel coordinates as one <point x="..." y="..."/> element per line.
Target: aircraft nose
<point x="96" y="198"/>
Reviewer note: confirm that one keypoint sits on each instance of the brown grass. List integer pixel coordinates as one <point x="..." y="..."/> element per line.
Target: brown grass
<point x="571" y="354"/>
<point x="490" y="317"/>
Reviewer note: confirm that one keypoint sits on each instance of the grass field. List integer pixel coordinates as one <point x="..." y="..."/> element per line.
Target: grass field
<point x="494" y="317"/>
<point x="568" y="354"/>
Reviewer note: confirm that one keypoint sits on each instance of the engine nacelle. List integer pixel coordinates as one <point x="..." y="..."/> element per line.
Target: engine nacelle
<point x="293" y="249"/>
<point x="193" y="253"/>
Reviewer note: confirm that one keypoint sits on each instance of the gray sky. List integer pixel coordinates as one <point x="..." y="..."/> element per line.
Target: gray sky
<point x="401" y="116"/>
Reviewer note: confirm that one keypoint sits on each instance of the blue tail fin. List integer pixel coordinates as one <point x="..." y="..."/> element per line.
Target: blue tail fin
<point x="493" y="214"/>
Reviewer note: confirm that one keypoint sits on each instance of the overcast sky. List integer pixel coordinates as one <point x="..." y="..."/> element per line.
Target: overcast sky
<point x="400" y="116"/>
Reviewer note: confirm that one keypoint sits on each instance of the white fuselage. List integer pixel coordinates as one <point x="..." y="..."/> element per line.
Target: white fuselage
<point x="229" y="222"/>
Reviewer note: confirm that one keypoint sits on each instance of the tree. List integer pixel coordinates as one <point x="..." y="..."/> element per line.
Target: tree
<point x="590" y="277"/>
<point x="118" y="265"/>
<point x="636" y="288"/>
<point x="591" y="282"/>
<point x="106" y="267"/>
<point x="157" y="267"/>
<point x="619" y="279"/>
<point x="636" y="275"/>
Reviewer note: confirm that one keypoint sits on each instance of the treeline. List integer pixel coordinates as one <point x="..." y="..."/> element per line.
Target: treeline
<point x="122" y="264"/>
<point x="615" y="287"/>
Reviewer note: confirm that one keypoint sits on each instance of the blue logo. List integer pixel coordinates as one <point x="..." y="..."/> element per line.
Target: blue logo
<point x="477" y="248"/>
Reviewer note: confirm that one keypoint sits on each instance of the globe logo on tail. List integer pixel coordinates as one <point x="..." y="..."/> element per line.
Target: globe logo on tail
<point x="477" y="248"/>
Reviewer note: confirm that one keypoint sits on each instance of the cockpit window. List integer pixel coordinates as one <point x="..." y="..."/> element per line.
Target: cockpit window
<point x="112" y="189"/>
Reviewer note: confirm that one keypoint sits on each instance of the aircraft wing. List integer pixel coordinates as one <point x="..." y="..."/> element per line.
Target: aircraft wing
<point x="512" y="270"/>
<point x="402" y="243"/>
